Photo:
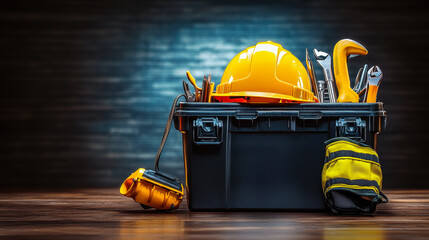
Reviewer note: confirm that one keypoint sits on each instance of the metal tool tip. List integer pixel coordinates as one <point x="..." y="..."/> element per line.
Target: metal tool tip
<point x="375" y="71"/>
<point x="319" y="55"/>
<point x="354" y="55"/>
<point x="315" y="52"/>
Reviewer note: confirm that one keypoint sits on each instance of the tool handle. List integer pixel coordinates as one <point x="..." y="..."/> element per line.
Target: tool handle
<point x="363" y="78"/>
<point x="342" y="50"/>
<point x="331" y="91"/>
<point x="188" y="94"/>
<point x="355" y="87"/>
<point x="372" y="94"/>
<point x="192" y="80"/>
<point x="321" y="91"/>
<point x="211" y="92"/>
<point x="328" y="74"/>
<point x="311" y="73"/>
<point x="330" y="84"/>
<point x="198" y="90"/>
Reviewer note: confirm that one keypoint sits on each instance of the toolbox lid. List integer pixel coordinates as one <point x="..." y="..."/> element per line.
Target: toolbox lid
<point x="300" y="110"/>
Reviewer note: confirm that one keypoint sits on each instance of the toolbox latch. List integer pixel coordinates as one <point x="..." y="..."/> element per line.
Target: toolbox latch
<point x="351" y="127"/>
<point x="207" y="131"/>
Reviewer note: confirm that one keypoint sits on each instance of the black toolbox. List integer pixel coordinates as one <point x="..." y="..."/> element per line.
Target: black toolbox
<point x="265" y="156"/>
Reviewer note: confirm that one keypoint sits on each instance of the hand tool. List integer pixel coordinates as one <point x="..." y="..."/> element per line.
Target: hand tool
<point x="207" y="90"/>
<point x="362" y="91"/>
<point x="324" y="60"/>
<point x="358" y="75"/>
<point x="311" y="73"/>
<point x="211" y="92"/>
<point x="197" y="89"/>
<point x="203" y="89"/>
<point x="374" y="79"/>
<point x="321" y="91"/>
<point x="362" y="81"/>
<point x="342" y="50"/>
<point x="364" y="84"/>
<point x="188" y="94"/>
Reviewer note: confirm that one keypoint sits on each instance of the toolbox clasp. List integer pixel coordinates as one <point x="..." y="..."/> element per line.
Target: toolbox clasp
<point x="351" y="127"/>
<point x="207" y="131"/>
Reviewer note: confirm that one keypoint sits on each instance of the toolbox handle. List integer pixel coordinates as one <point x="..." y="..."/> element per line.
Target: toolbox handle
<point x="246" y="116"/>
<point x="310" y="115"/>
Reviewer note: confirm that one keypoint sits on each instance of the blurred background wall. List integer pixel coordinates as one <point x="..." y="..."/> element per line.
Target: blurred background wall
<point x="86" y="86"/>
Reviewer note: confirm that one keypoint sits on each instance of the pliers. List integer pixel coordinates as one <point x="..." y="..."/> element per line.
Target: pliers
<point x="188" y="95"/>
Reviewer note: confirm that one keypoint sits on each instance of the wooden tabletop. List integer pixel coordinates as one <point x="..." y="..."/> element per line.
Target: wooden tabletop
<point x="105" y="214"/>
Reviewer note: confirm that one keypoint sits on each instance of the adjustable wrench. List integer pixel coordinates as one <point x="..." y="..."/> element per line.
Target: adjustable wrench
<point x="324" y="60"/>
<point x="374" y="79"/>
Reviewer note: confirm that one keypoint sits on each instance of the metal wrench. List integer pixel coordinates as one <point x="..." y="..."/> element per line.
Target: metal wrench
<point x="324" y="60"/>
<point x="374" y="79"/>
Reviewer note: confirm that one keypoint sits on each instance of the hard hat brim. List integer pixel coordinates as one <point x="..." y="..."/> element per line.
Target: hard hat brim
<point x="275" y="97"/>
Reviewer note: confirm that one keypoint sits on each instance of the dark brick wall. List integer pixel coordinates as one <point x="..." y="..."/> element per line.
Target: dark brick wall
<point x="86" y="86"/>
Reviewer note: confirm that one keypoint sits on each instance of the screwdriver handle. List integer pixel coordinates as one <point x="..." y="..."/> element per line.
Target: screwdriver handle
<point x="372" y="94"/>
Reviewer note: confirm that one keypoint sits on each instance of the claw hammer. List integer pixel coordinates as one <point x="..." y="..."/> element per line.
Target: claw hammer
<point x="342" y="50"/>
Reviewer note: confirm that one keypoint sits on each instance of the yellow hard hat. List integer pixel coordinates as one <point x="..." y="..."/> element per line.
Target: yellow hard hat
<point x="265" y="72"/>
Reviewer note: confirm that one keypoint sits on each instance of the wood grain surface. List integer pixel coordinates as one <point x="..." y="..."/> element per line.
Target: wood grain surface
<point x="86" y="86"/>
<point x="105" y="214"/>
